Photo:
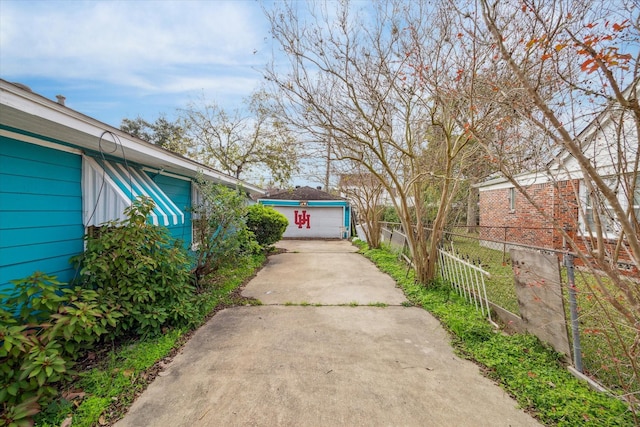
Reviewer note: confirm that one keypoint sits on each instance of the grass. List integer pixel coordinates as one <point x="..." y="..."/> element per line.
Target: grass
<point x="531" y="372"/>
<point x="121" y="376"/>
<point x="500" y="288"/>
<point x="349" y="304"/>
<point x="602" y="347"/>
<point x="107" y="390"/>
<point x="378" y="304"/>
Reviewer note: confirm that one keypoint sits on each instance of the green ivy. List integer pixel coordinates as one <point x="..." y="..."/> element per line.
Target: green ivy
<point x="527" y="369"/>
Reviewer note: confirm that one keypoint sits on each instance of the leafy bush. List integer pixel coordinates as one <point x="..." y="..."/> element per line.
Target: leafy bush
<point x="44" y="328"/>
<point x="220" y="228"/>
<point x="390" y="215"/>
<point x="110" y="386"/>
<point x="137" y="269"/>
<point x="266" y="223"/>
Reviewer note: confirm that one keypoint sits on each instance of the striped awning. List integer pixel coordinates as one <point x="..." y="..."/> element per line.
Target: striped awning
<point x="125" y="183"/>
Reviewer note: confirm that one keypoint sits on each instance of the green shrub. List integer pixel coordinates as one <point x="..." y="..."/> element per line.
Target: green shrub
<point x="390" y="215"/>
<point x="138" y="270"/>
<point x="42" y="331"/>
<point x="267" y="224"/>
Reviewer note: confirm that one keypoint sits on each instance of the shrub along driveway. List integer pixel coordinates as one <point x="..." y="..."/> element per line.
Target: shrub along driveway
<point x="323" y="350"/>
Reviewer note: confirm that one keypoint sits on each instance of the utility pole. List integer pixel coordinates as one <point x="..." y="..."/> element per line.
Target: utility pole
<point x="328" y="170"/>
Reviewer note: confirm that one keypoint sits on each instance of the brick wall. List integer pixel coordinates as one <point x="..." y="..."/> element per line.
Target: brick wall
<point x="565" y="208"/>
<point x="524" y="224"/>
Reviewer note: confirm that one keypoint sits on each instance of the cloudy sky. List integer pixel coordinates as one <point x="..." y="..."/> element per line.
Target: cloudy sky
<point x="129" y="58"/>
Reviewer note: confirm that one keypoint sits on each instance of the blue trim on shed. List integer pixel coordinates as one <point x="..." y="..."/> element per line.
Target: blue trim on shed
<point x="40" y="211"/>
<point x="319" y="204"/>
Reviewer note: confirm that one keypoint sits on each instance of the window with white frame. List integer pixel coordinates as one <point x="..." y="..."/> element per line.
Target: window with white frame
<point x="594" y="204"/>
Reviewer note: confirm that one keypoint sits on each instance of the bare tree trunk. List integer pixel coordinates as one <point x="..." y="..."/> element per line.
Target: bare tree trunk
<point x="472" y="207"/>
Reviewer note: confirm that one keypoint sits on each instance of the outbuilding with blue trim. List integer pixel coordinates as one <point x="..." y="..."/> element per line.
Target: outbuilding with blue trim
<point x="62" y="172"/>
<point x="312" y="213"/>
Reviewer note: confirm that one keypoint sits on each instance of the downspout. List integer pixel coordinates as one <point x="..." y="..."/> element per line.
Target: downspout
<point x="344" y="222"/>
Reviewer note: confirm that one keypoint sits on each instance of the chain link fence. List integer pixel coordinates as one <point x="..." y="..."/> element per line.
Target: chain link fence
<point x="603" y="345"/>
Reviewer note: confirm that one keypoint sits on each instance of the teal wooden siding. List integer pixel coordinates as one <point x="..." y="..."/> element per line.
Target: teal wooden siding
<point x="40" y="211"/>
<point x="179" y="191"/>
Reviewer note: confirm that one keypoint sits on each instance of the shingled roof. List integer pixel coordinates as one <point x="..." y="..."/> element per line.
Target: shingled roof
<point x="302" y="193"/>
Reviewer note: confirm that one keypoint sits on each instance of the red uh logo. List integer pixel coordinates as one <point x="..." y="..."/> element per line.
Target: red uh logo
<point x="302" y="219"/>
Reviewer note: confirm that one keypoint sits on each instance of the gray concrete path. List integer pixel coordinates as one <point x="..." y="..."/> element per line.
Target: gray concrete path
<point x="328" y="273"/>
<point x="331" y="364"/>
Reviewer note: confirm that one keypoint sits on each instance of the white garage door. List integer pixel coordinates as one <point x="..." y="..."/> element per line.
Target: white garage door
<point x="313" y="222"/>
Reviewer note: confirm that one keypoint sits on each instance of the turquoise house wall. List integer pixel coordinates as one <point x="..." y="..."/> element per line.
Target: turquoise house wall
<point x="179" y="191"/>
<point x="40" y="211"/>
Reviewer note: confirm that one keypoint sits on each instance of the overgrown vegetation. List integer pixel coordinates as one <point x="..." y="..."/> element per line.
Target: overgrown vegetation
<point x="103" y="393"/>
<point x="139" y="271"/>
<point x="40" y="343"/>
<point x="134" y="283"/>
<point x="220" y="228"/>
<point x="531" y="372"/>
<point x="603" y="357"/>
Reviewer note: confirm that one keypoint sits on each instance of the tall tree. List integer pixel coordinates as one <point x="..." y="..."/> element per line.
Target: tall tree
<point x="243" y="140"/>
<point x="567" y="73"/>
<point x="368" y="195"/>
<point x="169" y="135"/>
<point x="369" y="79"/>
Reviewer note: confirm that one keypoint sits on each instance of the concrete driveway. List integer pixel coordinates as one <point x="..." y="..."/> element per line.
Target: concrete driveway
<point x="317" y="354"/>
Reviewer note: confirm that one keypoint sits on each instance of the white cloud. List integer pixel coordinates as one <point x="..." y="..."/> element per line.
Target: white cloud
<point x="151" y="46"/>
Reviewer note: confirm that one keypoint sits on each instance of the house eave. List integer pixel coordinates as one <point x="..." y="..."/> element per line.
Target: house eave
<point x="29" y="112"/>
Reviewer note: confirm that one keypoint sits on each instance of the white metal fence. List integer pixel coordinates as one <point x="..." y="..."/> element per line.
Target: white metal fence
<point x="467" y="279"/>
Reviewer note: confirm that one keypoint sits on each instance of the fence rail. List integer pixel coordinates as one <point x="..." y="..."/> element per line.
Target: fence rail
<point x="476" y="261"/>
<point x="467" y="279"/>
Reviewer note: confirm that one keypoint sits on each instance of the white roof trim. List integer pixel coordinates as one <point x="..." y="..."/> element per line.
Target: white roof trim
<point x="39" y="106"/>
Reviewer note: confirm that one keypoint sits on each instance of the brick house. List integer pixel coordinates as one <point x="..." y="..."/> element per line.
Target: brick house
<point x="562" y="193"/>
<point x="507" y="216"/>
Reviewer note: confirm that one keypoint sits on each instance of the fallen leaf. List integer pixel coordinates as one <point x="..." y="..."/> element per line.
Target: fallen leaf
<point x="73" y="394"/>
